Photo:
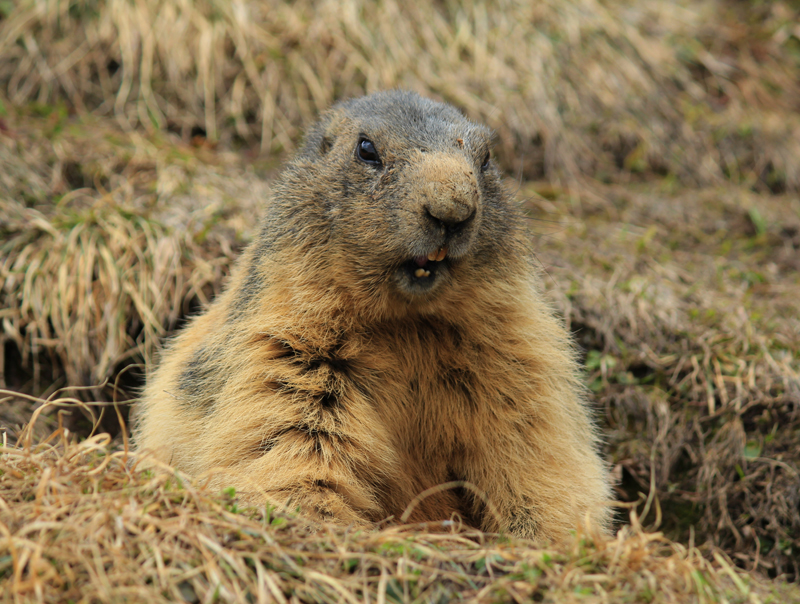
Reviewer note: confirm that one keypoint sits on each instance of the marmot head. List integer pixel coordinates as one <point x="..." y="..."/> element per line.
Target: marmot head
<point x="406" y="191"/>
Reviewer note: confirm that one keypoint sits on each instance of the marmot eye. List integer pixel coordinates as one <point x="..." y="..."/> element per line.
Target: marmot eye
<point x="485" y="163"/>
<point x="366" y="152"/>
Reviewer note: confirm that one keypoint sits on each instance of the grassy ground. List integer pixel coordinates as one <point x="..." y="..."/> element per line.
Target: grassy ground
<point x="84" y="525"/>
<point x="656" y="149"/>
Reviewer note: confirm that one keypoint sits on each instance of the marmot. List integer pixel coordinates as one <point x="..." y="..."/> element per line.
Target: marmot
<point x="383" y="334"/>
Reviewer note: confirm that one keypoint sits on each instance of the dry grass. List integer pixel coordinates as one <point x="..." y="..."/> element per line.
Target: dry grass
<point x="79" y="521"/>
<point x="689" y="307"/>
<point x="688" y="304"/>
<point x="122" y="203"/>
<point x="706" y="91"/>
<point x="104" y="246"/>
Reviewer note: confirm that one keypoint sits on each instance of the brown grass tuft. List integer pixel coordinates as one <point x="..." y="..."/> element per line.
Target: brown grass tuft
<point x="104" y="244"/>
<point x="81" y="521"/>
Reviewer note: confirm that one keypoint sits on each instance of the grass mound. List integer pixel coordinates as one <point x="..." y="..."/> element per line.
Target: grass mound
<point x="135" y="142"/>
<point x="81" y="521"/>
<point x="686" y="302"/>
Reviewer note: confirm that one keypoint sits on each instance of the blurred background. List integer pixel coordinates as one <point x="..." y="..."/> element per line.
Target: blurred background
<point x="654" y="145"/>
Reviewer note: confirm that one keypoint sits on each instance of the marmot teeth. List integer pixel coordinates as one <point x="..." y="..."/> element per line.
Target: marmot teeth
<point x="421" y="272"/>
<point x="438" y="255"/>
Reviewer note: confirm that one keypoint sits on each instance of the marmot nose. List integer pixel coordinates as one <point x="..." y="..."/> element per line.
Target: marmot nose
<point x="449" y="191"/>
<point x="453" y="216"/>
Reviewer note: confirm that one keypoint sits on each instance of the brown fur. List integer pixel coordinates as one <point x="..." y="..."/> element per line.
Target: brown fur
<point x="327" y="377"/>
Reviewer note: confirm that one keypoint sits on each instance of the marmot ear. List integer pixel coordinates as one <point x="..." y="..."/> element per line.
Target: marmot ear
<point x="320" y="138"/>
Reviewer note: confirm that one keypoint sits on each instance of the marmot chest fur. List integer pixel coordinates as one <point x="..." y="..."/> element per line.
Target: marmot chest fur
<point x="385" y="334"/>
